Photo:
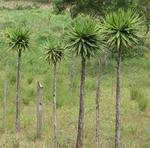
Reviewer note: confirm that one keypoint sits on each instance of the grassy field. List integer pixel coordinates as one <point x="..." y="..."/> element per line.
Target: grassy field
<point x="135" y="131"/>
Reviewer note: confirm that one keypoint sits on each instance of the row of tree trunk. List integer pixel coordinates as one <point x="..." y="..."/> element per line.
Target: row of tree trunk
<point x="101" y="64"/>
<point x="80" y="135"/>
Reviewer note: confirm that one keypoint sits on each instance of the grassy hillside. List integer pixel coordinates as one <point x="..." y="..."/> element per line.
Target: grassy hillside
<point x="135" y="122"/>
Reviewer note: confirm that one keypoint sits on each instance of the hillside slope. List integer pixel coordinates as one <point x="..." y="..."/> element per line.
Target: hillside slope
<point x="136" y="72"/>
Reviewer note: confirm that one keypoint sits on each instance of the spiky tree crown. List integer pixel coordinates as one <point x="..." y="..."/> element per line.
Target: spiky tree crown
<point x="84" y="39"/>
<point x="53" y="51"/>
<point x="123" y="28"/>
<point x="19" y="39"/>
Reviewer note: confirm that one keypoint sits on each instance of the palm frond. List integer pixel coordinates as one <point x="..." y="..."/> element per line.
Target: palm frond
<point x="123" y="28"/>
<point x="84" y="37"/>
<point x="19" y="38"/>
<point x="53" y="51"/>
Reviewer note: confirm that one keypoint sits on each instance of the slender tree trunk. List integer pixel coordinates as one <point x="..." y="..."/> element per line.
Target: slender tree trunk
<point x="39" y="109"/>
<point x="18" y="93"/>
<point x="101" y="65"/>
<point x="54" y="109"/>
<point x="71" y="74"/>
<point x="97" y="101"/>
<point x="5" y="97"/>
<point x="118" y="101"/>
<point x="79" y="142"/>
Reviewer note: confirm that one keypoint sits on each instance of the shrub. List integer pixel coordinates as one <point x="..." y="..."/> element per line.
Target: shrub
<point x="137" y="95"/>
<point x="30" y="80"/>
<point x="26" y="101"/>
<point x="58" y="6"/>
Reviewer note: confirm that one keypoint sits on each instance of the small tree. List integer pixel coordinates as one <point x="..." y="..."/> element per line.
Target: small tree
<point x="53" y="55"/>
<point x="121" y="30"/>
<point x="18" y="40"/>
<point x="84" y="42"/>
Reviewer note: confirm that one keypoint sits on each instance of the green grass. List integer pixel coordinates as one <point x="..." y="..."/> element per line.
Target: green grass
<point x="135" y="131"/>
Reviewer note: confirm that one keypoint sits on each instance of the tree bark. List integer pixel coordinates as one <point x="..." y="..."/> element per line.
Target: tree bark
<point x="79" y="142"/>
<point x="54" y="108"/>
<point x="71" y="73"/>
<point x="118" y="100"/>
<point x="5" y="97"/>
<point x="97" y="101"/>
<point x="39" y="109"/>
<point x="18" y="93"/>
<point x="101" y="65"/>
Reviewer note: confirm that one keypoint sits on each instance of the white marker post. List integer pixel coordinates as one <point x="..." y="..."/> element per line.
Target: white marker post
<point x="39" y="109"/>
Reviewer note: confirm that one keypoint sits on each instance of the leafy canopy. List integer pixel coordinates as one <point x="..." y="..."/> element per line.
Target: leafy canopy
<point x="84" y="38"/>
<point x="19" y="39"/>
<point x="123" y="28"/>
<point x="53" y="51"/>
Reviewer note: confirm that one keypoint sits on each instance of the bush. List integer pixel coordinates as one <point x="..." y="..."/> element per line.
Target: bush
<point x="29" y="96"/>
<point x="30" y="80"/>
<point x="26" y="101"/>
<point x="58" y="6"/>
<point x="137" y="95"/>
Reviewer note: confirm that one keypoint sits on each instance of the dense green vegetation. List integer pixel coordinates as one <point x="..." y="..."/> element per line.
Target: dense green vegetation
<point x="135" y="89"/>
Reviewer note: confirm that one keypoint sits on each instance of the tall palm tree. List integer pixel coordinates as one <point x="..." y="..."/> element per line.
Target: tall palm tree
<point x="84" y="42"/>
<point x="97" y="102"/>
<point x="18" y="40"/>
<point x="53" y="55"/>
<point x="122" y="30"/>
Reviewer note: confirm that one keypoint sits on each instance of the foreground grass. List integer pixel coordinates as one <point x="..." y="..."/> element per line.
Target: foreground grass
<point x="135" y="123"/>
